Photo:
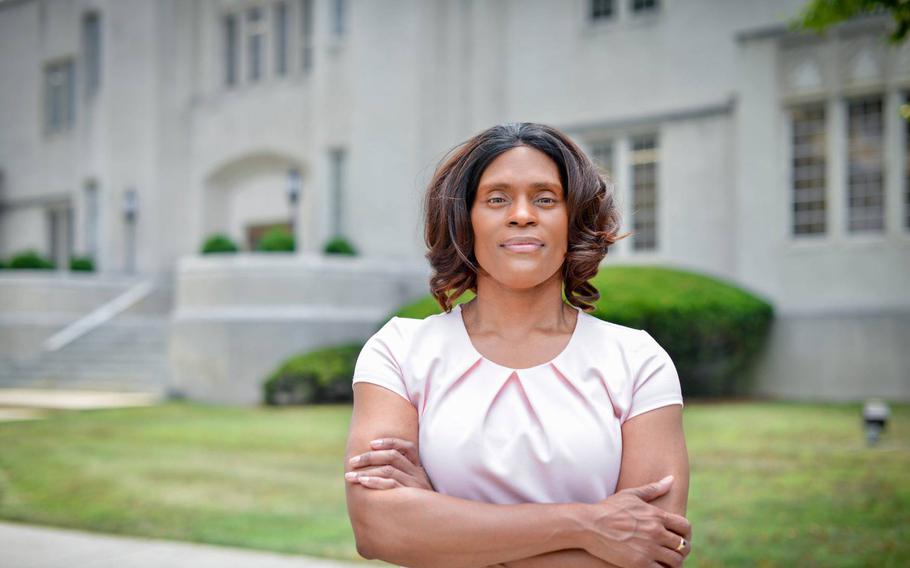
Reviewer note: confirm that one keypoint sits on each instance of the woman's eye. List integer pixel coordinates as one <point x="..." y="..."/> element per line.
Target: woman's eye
<point x="493" y="199"/>
<point x="550" y="199"/>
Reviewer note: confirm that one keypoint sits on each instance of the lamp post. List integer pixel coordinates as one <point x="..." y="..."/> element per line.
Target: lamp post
<point x="294" y="191"/>
<point x="130" y="212"/>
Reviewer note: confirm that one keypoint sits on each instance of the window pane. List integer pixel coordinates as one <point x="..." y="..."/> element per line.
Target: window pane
<point x="641" y="6"/>
<point x="865" y="168"/>
<point x="906" y="111"/>
<point x="602" y="154"/>
<point x="281" y="38"/>
<point x="601" y="9"/>
<point x="91" y="39"/>
<point x="230" y="50"/>
<point x="338" y="8"/>
<point x="644" y="193"/>
<point x="808" y="169"/>
<point x="306" y="35"/>
<point x="254" y="43"/>
<point x="59" y="96"/>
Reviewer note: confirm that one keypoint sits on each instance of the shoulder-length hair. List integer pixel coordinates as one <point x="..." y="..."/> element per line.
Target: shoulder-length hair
<point x="449" y="236"/>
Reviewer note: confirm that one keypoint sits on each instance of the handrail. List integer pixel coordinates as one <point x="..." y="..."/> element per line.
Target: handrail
<point x="98" y="316"/>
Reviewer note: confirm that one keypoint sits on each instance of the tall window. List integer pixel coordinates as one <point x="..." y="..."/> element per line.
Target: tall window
<point x="644" y="192"/>
<point x="865" y="165"/>
<point x="59" y="104"/>
<point x="601" y="10"/>
<point x="907" y="164"/>
<point x="230" y="50"/>
<point x="306" y="35"/>
<point x="808" y="172"/>
<point x="91" y="49"/>
<point x="338" y="16"/>
<point x="602" y="154"/>
<point x="255" y="35"/>
<point x="281" y="38"/>
<point x="644" y="6"/>
<point x="336" y="163"/>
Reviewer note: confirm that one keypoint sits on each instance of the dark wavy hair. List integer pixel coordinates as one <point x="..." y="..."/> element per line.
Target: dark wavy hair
<point x="593" y="216"/>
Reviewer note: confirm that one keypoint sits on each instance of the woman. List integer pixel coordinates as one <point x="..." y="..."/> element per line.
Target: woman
<point x="517" y="429"/>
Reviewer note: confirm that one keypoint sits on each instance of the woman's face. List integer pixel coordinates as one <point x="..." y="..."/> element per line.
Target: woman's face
<point x="520" y="195"/>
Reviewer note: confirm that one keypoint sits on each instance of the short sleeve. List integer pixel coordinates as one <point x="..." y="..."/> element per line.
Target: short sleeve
<point x="655" y="380"/>
<point x="380" y="359"/>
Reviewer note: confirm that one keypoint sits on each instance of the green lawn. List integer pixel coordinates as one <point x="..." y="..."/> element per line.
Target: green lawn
<point x="773" y="484"/>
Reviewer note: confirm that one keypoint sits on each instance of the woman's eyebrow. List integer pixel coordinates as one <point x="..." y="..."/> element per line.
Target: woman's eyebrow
<point x="507" y="186"/>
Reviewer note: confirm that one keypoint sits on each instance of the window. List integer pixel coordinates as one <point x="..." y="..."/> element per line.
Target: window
<point x="808" y="172"/>
<point x="59" y="106"/>
<point x="255" y="33"/>
<point x="338" y="15"/>
<point x="645" y="6"/>
<point x="91" y="50"/>
<point x="230" y="50"/>
<point x="281" y="38"/>
<point x="336" y="158"/>
<point x="601" y="10"/>
<point x="865" y="165"/>
<point x="306" y="35"/>
<point x="644" y="192"/>
<point x="602" y="154"/>
<point x="906" y="114"/>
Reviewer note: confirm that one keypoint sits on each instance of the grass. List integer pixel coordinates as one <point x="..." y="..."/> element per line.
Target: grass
<point x="773" y="484"/>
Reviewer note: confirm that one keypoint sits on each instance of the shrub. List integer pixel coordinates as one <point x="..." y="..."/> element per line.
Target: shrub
<point x="82" y="264"/>
<point x="711" y="329"/>
<point x="218" y="243"/>
<point x="277" y="239"/>
<point x="323" y="375"/>
<point x="30" y="260"/>
<point x="339" y="245"/>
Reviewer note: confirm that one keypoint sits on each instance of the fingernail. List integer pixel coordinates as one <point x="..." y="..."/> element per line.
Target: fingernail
<point x="376" y="443"/>
<point x="350" y="475"/>
<point x="666" y="479"/>
<point x="366" y="478"/>
<point x="354" y="460"/>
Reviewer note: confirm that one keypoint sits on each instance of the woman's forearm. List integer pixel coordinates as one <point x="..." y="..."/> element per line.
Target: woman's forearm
<point x="575" y="558"/>
<point x="416" y="528"/>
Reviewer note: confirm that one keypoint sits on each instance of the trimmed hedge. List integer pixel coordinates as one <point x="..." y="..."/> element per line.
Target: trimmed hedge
<point x="323" y="375"/>
<point x="218" y="243"/>
<point x="276" y="240"/>
<point x="82" y="264"/>
<point x="339" y="245"/>
<point x="711" y="329"/>
<point x="31" y="260"/>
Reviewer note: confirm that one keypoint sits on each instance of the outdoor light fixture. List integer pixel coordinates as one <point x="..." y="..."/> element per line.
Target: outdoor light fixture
<point x="130" y="212"/>
<point x="294" y="190"/>
<point x="875" y="417"/>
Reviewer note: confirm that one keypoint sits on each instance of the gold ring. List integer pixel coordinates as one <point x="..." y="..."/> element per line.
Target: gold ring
<point x="682" y="544"/>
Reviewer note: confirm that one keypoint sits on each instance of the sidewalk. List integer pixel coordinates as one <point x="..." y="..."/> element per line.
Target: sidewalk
<point x="29" y="546"/>
<point x="30" y="404"/>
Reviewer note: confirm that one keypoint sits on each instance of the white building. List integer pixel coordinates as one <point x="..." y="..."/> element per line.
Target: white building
<point x="740" y="149"/>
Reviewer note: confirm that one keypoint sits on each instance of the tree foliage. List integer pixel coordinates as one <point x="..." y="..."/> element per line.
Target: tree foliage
<point x="818" y="15"/>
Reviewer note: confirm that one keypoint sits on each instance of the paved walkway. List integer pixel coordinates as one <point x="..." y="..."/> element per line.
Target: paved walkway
<point x="28" y="546"/>
<point x="28" y="404"/>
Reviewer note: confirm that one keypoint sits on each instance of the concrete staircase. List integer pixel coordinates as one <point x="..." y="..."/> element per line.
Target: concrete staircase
<point x="128" y="353"/>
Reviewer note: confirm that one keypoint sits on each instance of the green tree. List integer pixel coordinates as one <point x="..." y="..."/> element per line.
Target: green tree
<point x="818" y="15"/>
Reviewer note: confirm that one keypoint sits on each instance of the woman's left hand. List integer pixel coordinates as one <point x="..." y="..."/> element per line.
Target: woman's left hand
<point x="393" y="462"/>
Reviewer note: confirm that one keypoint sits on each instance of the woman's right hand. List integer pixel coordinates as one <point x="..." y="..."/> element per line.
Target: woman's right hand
<point x="629" y="532"/>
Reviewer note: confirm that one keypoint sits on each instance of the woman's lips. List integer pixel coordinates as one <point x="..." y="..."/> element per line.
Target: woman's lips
<point x="525" y="247"/>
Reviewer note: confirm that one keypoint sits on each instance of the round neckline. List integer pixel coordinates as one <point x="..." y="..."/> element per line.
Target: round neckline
<point x="565" y="350"/>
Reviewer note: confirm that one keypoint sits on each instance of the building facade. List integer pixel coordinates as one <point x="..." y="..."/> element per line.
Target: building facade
<point x="132" y="130"/>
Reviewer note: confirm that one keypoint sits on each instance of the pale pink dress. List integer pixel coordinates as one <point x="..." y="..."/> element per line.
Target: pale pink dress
<point x="544" y="434"/>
